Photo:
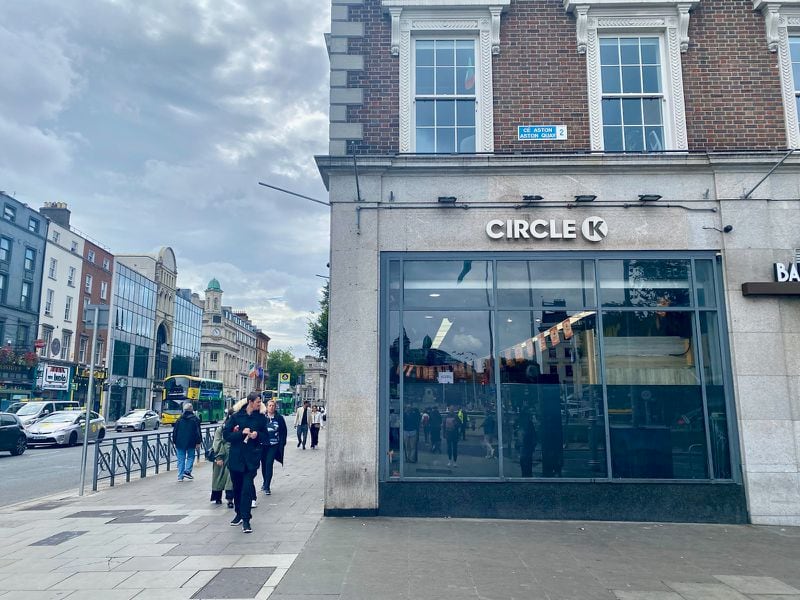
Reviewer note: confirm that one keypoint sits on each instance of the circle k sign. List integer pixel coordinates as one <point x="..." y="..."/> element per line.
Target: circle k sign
<point x="592" y="229"/>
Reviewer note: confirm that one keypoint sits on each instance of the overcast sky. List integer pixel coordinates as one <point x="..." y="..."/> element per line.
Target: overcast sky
<point x="154" y="120"/>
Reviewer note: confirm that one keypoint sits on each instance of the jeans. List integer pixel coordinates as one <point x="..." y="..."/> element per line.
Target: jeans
<point x="268" y="454"/>
<point x="243" y="492"/>
<point x="185" y="461"/>
<point x="452" y="445"/>
<point x="302" y="434"/>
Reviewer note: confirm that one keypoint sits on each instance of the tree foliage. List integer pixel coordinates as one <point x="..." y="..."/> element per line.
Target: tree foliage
<point x="318" y="327"/>
<point x="283" y="361"/>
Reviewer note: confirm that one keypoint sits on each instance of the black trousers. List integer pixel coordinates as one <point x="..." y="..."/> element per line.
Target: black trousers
<point x="314" y="436"/>
<point x="243" y="492"/>
<point x="268" y="454"/>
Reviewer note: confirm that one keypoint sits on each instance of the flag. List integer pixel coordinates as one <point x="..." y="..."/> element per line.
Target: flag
<point x="253" y="371"/>
<point x="260" y="372"/>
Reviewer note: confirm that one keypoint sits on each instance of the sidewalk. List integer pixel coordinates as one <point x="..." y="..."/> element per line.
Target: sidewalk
<point x="155" y="538"/>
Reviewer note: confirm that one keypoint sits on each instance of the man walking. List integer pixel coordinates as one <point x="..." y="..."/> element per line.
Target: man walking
<point x="187" y="437"/>
<point x="302" y="418"/>
<point x="246" y="431"/>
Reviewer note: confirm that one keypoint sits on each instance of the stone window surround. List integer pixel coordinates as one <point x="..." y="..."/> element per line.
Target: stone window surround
<point x="477" y="18"/>
<point x="782" y="18"/>
<point x="667" y="18"/>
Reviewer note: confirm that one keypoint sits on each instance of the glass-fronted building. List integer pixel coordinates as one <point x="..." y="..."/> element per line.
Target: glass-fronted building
<point x="187" y="335"/>
<point x="131" y="345"/>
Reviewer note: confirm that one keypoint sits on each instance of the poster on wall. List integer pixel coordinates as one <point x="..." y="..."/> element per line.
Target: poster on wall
<point x="55" y="377"/>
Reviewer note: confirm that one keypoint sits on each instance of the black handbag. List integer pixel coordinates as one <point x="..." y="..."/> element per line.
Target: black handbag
<point x="210" y="455"/>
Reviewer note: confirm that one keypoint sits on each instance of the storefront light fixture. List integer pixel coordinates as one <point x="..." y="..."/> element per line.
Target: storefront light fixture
<point x="447" y="199"/>
<point x="649" y="197"/>
<point x="532" y="198"/>
<point x="585" y="198"/>
<point x="434" y="295"/>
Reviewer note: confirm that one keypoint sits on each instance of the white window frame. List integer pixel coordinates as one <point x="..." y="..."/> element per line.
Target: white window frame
<point x="103" y="290"/>
<point x="782" y="20"/>
<point x="447" y="19"/>
<point x="87" y="284"/>
<point x="478" y="86"/>
<point x="53" y="269"/>
<point x="669" y="19"/>
<point x="90" y="256"/>
<point x="66" y="342"/>
<point x="68" y="309"/>
<point x="48" y="302"/>
<point x="666" y="105"/>
<point x="82" y="349"/>
<point x="71" y="277"/>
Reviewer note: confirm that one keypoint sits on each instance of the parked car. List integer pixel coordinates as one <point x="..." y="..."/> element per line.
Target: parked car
<point x="140" y="419"/>
<point x="65" y="428"/>
<point x="33" y="411"/>
<point x="12" y="434"/>
<point x="13" y="408"/>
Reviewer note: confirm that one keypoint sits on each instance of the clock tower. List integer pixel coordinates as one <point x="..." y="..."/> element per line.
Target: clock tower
<point x="213" y="297"/>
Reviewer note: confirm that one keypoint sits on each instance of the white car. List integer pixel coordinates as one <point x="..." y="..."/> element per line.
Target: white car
<point x="140" y="419"/>
<point x="66" y="428"/>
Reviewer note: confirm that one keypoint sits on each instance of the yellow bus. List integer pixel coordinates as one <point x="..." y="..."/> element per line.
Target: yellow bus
<point x="204" y="394"/>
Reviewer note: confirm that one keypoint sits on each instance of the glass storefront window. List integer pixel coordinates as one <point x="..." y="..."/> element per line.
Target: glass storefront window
<point x="553" y="422"/>
<point x="705" y="283"/>
<point x="567" y="283"/>
<point x="645" y="282"/>
<point x="534" y="380"/>
<point x="448" y="391"/>
<point x="451" y="283"/>
<point x="655" y="402"/>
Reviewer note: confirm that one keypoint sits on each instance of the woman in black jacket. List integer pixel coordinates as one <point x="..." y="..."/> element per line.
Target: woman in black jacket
<point x="246" y="431"/>
<point x="274" y="442"/>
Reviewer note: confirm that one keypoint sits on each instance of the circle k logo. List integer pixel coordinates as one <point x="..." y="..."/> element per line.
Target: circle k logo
<point x="594" y="229"/>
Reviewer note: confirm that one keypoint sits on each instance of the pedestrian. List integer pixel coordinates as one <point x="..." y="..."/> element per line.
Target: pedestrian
<point x="187" y="437"/>
<point x="220" y="476"/>
<point x="489" y="432"/>
<point x="435" y="425"/>
<point x="274" y="442"/>
<point x="316" y="424"/>
<point x="302" y="418"/>
<point x="411" y="419"/>
<point x="528" y="445"/>
<point x="246" y="431"/>
<point x="451" y="427"/>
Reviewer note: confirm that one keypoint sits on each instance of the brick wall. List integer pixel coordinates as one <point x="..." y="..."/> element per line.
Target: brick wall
<point x="731" y="80"/>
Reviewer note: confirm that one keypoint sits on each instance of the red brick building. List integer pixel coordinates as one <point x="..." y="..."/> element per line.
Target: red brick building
<point x="564" y="247"/>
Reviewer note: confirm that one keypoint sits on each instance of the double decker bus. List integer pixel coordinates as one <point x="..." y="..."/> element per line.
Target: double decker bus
<point x="285" y="402"/>
<point x="204" y="394"/>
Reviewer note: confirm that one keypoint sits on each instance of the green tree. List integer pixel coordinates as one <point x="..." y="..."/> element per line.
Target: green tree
<point x="283" y="361"/>
<point x="318" y="327"/>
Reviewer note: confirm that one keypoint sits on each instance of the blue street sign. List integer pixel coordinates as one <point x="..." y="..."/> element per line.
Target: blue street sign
<point x="542" y="132"/>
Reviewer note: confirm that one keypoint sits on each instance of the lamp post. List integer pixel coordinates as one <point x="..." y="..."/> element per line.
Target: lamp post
<point x="98" y="318"/>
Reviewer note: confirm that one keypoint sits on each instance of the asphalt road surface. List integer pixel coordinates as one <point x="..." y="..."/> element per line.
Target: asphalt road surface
<point x="46" y="470"/>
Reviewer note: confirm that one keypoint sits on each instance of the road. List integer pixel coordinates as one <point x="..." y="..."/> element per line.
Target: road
<point x="45" y="470"/>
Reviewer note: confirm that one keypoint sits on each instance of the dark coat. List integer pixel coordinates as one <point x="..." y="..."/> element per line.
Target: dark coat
<point x="282" y="433"/>
<point x="245" y="456"/>
<point x="186" y="431"/>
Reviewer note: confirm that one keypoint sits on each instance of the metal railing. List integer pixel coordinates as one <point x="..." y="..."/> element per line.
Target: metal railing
<point x="138" y="455"/>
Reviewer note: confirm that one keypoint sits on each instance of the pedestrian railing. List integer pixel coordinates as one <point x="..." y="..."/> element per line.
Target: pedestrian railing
<point x="137" y="455"/>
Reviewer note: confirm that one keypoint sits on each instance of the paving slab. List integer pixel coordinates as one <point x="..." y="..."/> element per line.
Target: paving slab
<point x="757" y="585"/>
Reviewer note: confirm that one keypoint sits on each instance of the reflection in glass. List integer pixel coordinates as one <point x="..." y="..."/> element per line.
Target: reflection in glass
<point x="568" y="283"/>
<point x="552" y="409"/>
<point x="448" y="390"/>
<point x="637" y="282"/>
<point x="705" y="283"/>
<point x="395" y="293"/>
<point x="393" y="450"/>
<point x="655" y="402"/>
<point x="451" y="283"/>
<point x="713" y="375"/>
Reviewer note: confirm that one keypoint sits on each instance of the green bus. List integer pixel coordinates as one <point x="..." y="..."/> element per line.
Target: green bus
<point x="286" y="403"/>
<point x="204" y="394"/>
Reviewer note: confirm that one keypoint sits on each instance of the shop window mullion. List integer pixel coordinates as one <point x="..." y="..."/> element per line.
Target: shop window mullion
<point x="498" y="392"/>
<point x="601" y="348"/>
<point x="700" y="364"/>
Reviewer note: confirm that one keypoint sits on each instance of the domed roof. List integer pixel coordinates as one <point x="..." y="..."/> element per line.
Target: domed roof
<point x="213" y="286"/>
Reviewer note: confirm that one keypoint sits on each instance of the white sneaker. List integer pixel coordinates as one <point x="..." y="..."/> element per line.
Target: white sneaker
<point x="449" y="463"/>
<point x="253" y="504"/>
<point x="455" y="466"/>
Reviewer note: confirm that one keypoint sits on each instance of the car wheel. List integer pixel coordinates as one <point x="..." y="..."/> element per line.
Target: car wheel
<point x="157" y="425"/>
<point x="22" y="445"/>
<point x="142" y="427"/>
<point x="73" y="438"/>
<point x="101" y="434"/>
